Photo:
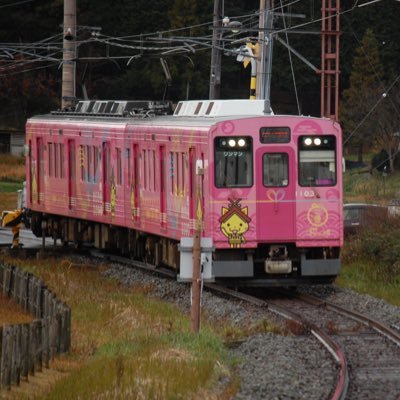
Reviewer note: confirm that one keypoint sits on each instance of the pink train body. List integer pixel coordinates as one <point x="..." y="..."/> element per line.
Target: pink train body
<point x="271" y="189"/>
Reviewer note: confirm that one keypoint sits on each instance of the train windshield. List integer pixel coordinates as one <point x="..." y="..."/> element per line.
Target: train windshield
<point x="317" y="161"/>
<point x="233" y="161"/>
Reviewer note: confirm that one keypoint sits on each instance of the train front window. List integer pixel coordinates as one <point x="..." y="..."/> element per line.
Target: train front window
<point x="275" y="169"/>
<point x="317" y="161"/>
<point x="233" y="161"/>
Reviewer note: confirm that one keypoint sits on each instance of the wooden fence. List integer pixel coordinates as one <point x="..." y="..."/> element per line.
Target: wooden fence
<point x="26" y="348"/>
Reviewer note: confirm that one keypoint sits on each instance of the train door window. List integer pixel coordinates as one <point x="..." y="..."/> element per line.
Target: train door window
<point x="192" y="180"/>
<point x="172" y="171"/>
<point x="151" y="170"/>
<point x="50" y="159"/>
<point x="275" y="169"/>
<point x="154" y="170"/>
<point x="95" y="164"/>
<point x="177" y="173"/>
<point x="183" y="169"/>
<point x="72" y="168"/>
<point x="144" y="169"/>
<point x="62" y="167"/>
<point x="106" y="163"/>
<point x="119" y="166"/>
<point x="82" y="161"/>
<point x="233" y="161"/>
<point x="56" y="160"/>
<point x="128" y="163"/>
<point x="89" y="163"/>
<point x="317" y="160"/>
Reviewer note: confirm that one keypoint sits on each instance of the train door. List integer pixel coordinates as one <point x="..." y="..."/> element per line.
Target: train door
<point x="71" y="171"/>
<point x="127" y="185"/>
<point x="162" y="185"/>
<point x="192" y="187"/>
<point x="106" y="167"/>
<point x="40" y="168"/>
<point x="135" y="198"/>
<point x="276" y="185"/>
<point x="30" y="173"/>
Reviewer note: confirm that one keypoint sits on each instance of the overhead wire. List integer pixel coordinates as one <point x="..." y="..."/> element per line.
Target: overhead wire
<point x="291" y="62"/>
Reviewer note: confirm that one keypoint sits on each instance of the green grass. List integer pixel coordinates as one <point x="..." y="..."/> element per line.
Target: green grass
<point x="9" y="187"/>
<point x="359" y="185"/>
<point x="366" y="277"/>
<point x="370" y="260"/>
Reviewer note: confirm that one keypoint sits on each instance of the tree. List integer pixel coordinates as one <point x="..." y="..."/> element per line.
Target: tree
<point x="362" y="95"/>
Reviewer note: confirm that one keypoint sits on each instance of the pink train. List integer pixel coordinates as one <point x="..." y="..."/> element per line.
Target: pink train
<point x="125" y="175"/>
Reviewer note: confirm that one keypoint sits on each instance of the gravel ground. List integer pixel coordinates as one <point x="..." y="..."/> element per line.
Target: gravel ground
<point x="271" y="366"/>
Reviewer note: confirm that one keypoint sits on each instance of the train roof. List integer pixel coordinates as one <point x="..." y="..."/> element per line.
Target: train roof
<point x="202" y="113"/>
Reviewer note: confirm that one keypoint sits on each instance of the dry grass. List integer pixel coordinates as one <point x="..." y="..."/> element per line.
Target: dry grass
<point x="12" y="168"/>
<point x="8" y="201"/>
<point x="11" y="313"/>
<point x="124" y="344"/>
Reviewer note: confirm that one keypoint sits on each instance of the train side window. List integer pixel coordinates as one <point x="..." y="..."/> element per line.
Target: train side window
<point x="233" y="160"/>
<point x="275" y="169"/>
<point x="317" y="160"/>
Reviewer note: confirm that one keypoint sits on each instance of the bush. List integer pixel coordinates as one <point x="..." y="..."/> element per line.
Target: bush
<point x="379" y="246"/>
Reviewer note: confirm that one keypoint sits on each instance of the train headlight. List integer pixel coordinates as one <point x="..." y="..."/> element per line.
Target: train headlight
<point x="232" y="142"/>
<point x="241" y="143"/>
<point x="317" y="141"/>
<point x="307" y="141"/>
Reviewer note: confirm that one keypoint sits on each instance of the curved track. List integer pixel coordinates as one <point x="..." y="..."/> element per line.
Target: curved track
<point x="371" y="349"/>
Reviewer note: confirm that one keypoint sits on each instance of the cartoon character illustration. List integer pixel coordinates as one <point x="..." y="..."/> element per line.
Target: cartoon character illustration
<point x="235" y="223"/>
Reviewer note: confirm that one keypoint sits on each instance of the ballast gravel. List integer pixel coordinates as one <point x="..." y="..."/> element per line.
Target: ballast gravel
<point x="269" y="366"/>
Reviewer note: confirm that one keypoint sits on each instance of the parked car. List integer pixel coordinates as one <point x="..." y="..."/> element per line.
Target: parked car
<point x="357" y="216"/>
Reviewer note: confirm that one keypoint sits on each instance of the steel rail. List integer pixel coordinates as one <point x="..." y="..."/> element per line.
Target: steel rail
<point x="368" y="321"/>
<point x="335" y="350"/>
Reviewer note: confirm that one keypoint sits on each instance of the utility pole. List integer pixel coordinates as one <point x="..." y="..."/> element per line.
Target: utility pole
<point x="215" y="73"/>
<point x="69" y="54"/>
<point x="196" y="273"/>
<point x="264" y="68"/>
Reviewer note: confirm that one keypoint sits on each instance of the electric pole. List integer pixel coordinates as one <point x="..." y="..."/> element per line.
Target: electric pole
<point x="196" y="272"/>
<point x="215" y="73"/>
<point x="263" y="89"/>
<point x="69" y="54"/>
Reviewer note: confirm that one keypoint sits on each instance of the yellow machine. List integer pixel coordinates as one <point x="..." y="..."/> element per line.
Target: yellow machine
<point x="14" y="220"/>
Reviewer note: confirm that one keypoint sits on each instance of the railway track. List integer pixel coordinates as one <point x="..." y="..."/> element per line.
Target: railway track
<point x="371" y="349"/>
<point x="366" y="352"/>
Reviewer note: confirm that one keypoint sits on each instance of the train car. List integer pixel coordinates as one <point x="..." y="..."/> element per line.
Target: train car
<point x="125" y="175"/>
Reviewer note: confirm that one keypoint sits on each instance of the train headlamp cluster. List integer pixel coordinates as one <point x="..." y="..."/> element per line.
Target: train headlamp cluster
<point x="234" y="143"/>
<point x="316" y="141"/>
